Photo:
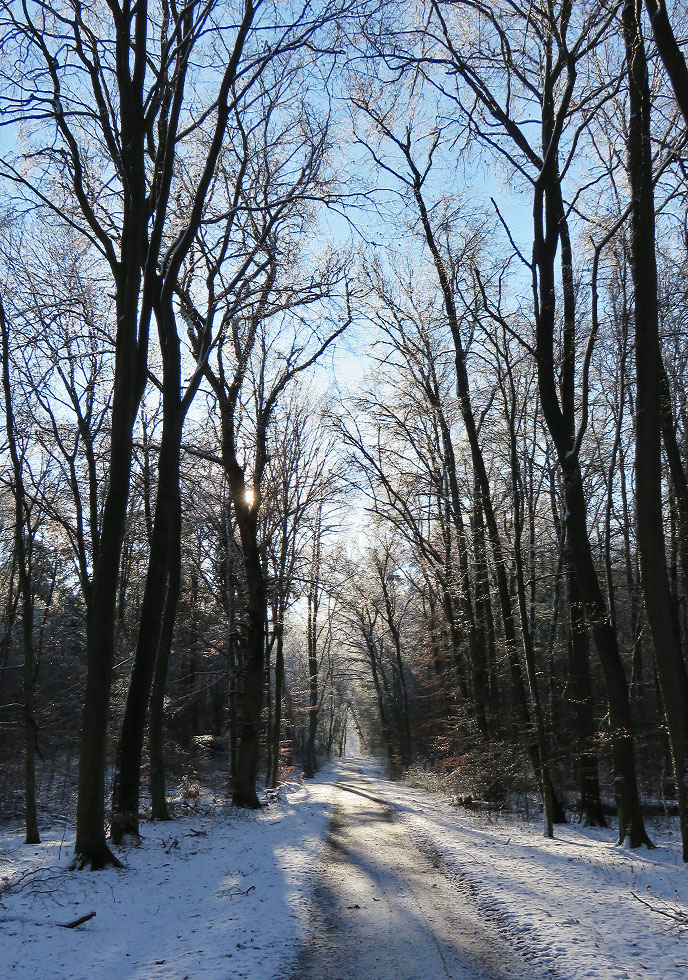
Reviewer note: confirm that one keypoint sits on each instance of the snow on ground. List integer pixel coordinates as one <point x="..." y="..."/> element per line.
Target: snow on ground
<point x="221" y="894"/>
<point x="217" y="894"/>
<point x="569" y="901"/>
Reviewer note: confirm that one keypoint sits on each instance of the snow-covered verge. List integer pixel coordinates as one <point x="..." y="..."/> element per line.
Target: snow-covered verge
<point x="582" y="906"/>
<point x="217" y="894"/>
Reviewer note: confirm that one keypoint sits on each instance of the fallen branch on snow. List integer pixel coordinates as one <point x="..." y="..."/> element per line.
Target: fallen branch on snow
<point x="76" y="922"/>
<point x="48" y="922"/>
<point x="676" y="914"/>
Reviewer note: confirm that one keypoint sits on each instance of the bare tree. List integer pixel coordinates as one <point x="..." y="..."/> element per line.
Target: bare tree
<point x="659" y="607"/>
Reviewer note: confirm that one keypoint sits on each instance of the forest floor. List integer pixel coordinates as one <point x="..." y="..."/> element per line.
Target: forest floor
<point x="348" y="876"/>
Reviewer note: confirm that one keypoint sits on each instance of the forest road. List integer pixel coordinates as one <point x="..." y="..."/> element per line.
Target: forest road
<point x="383" y="910"/>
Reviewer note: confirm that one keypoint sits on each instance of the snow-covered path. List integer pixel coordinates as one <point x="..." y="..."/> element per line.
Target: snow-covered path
<point x="347" y="877"/>
<point x="383" y="910"/>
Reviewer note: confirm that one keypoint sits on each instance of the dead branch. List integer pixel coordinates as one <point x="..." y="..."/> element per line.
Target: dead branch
<point x="676" y="914"/>
<point x="76" y="922"/>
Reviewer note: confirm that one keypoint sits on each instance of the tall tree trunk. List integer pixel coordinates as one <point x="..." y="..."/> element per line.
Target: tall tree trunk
<point x="312" y="633"/>
<point x="384" y="720"/>
<point x="550" y="230"/>
<point x="661" y="613"/>
<point x="91" y="845"/>
<point x="269" y="644"/>
<point x="131" y="353"/>
<point x="233" y="713"/>
<point x="30" y="725"/>
<point x="126" y="790"/>
<point x="393" y="627"/>
<point x="475" y="636"/>
<point x="229" y="601"/>
<point x="626" y="794"/>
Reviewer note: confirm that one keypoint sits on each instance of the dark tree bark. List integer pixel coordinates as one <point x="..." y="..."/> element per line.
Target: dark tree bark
<point x="366" y="625"/>
<point x="483" y="600"/>
<point x="135" y="114"/>
<point x="592" y="813"/>
<point x="522" y="718"/>
<point x="549" y="228"/>
<point x="670" y="52"/>
<point x="130" y="361"/>
<point x="475" y="635"/>
<point x="156" y="726"/>
<point x="660" y="609"/>
<point x="244" y="783"/>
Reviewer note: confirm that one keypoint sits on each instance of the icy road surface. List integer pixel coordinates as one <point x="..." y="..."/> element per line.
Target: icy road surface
<point x="383" y="909"/>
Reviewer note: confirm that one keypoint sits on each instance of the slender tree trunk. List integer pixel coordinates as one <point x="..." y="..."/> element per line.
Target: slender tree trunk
<point x="156" y="724"/>
<point x="592" y="813"/>
<point x="400" y="673"/>
<point x="483" y="602"/>
<point x="474" y="635"/>
<point x="22" y="545"/>
<point x="233" y="714"/>
<point x="30" y="725"/>
<point x="244" y="790"/>
<point x="277" y="722"/>
<point x="312" y="642"/>
<point x="456" y="636"/>
<point x="229" y="600"/>
<point x="629" y="812"/>
<point x="311" y="638"/>
<point x="269" y="705"/>
<point x="670" y="52"/>
<point x="521" y="715"/>
<point x="91" y="845"/>
<point x="9" y="615"/>
<point x="542" y="754"/>
<point x="384" y="721"/>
